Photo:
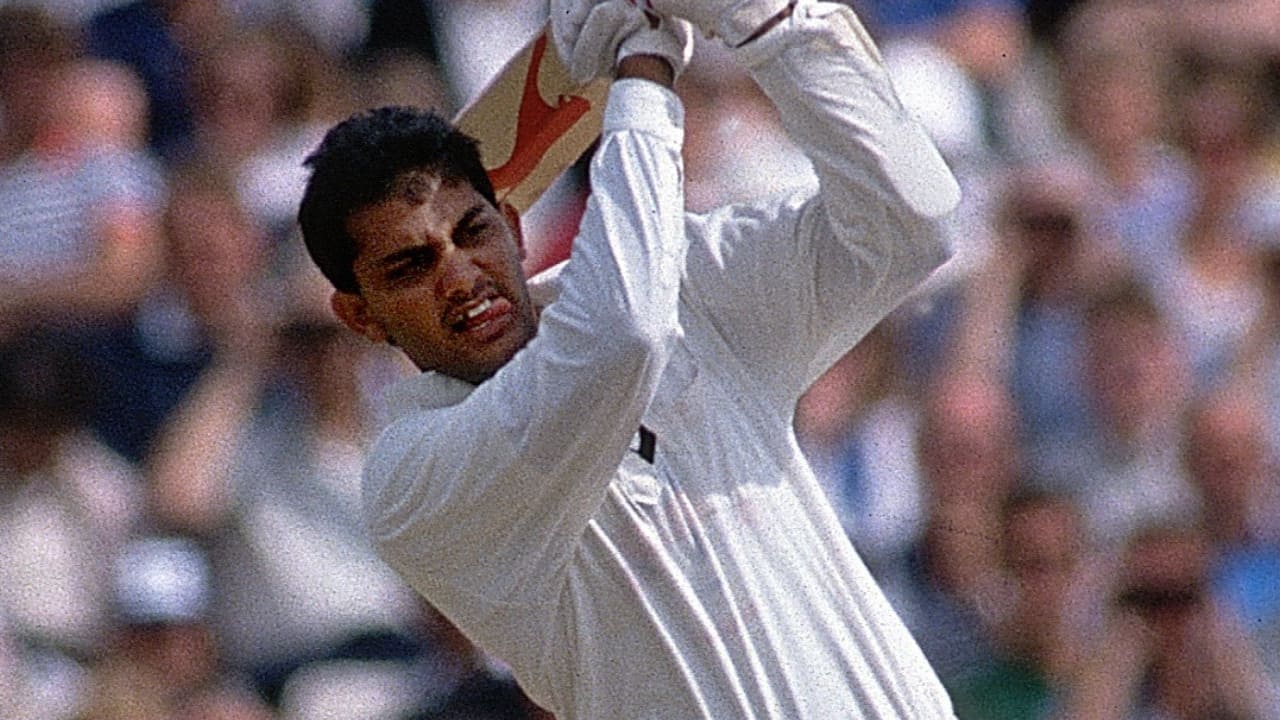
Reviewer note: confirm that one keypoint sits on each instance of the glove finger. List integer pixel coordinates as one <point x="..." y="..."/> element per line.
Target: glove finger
<point x="567" y="18"/>
<point x="672" y="39"/>
<point x="603" y="31"/>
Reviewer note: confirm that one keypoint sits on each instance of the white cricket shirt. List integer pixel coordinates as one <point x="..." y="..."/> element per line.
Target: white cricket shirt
<point x="714" y="582"/>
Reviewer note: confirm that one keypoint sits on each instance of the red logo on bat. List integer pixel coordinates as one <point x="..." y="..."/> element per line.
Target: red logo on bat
<point x="538" y="125"/>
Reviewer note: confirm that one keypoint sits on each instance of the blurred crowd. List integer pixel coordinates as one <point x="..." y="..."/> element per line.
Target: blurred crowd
<point x="1060" y="457"/>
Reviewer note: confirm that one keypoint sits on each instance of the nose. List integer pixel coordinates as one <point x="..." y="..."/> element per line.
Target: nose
<point x="459" y="275"/>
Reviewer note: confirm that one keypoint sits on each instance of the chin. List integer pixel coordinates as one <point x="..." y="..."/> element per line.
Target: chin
<point x="484" y="368"/>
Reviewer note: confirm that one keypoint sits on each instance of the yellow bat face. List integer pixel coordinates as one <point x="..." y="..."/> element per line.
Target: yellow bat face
<point x="533" y="122"/>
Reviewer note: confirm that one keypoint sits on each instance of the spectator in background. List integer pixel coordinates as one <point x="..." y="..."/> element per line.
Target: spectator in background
<point x="79" y="238"/>
<point x="37" y="683"/>
<point x="441" y="676"/>
<point x="212" y="295"/>
<point x="1023" y="312"/>
<point x="896" y="16"/>
<point x="396" y="77"/>
<point x="263" y="461"/>
<point x="1169" y="648"/>
<point x="160" y="39"/>
<point x="1045" y="17"/>
<point x="66" y="503"/>
<point x="986" y="46"/>
<point x="163" y="662"/>
<point x="948" y="589"/>
<point x="1256" y="367"/>
<point x="858" y="426"/>
<point x="33" y="45"/>
<point x="1212" y="290"/>
<point x="481" y="691"/>
<point x="969" y="71"/>
<point x="310" y="89"/>
<point x="401" y="26"/>
<point x="1114" y="68"/>
<point x="1242" y="28"/>
<point x="1127" y="472"/>
<point x="1236" y="473"/>
<point x="333" y="28"/>
<point x="1041" y="637"/>
<point x="15" y="683"/>
<point x="262" y="99"/>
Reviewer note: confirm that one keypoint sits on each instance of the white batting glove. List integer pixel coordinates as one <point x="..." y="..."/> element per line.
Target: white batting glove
<point x="733" y="21"/>
<point x="592" y="36"/>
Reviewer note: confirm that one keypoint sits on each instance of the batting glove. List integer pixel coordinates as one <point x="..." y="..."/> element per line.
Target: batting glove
<point x="592" y="36"/>
<point x="733" y="21"/>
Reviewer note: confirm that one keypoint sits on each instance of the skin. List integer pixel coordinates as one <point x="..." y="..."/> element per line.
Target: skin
<point x="428" y="257"/>
<point x="439" y="270"/>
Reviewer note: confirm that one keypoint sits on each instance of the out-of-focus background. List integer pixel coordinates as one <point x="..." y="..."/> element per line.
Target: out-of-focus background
<point x="1059" y="458"/>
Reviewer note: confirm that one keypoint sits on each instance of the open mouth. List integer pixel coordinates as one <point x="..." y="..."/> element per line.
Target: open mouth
<point x="481" y="314"/>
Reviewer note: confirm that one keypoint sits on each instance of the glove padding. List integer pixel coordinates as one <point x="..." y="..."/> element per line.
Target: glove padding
<point x="733" y="21"/>
<point x="593" y="35"/>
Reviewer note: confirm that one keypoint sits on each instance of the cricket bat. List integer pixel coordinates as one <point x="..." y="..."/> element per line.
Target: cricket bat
<point x="533" y="121"/>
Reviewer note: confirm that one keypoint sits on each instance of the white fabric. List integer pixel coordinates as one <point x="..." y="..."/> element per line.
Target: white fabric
<point x="716" y="582"/>
<point x="733" y="21"/>
<point x="592" y="36"/>
<point x="672" y="39"/>
<point x="587" y="34"/>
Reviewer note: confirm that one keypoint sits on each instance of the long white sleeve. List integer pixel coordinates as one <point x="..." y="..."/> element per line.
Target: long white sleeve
<point x="709" y="579"/>
<point x="791" y="286"/>
<point x="486" y="490"/>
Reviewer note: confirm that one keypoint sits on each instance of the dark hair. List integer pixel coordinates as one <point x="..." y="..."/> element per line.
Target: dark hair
<point x="359" y="163"/>
<point x="1027" y="496"/>
<point x="1126" y="298"/>
<point x="45" y="381"/>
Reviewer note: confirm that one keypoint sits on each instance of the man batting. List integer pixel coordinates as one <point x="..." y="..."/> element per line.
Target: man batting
<point x="595" y="476"/>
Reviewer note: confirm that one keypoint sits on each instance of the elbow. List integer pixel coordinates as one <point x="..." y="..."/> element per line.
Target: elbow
<point x="929" y="197"/>
<point x="926" y="244"/>
<point x="629" y="358"/>
<point x="925" y="211"/>
<point x="917" y="176"/>
<point x="935" y="246"/>
<point x="641" y="341"/>
<point x="642" y="321"/>
<point x="941" y="242"/>
<point x="615" y="339"/>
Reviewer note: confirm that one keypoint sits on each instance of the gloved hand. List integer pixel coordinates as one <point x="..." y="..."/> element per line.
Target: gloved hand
<point x="593" y="35"/>
<point x="733" y="21"/>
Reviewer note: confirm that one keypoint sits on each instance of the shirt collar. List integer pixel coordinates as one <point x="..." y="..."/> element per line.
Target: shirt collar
<point x="431" y="390"/>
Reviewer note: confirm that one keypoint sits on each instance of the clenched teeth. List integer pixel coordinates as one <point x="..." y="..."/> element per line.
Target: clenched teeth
<point x="479" y="308"/>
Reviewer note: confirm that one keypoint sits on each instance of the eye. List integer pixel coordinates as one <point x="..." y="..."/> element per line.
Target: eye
<point x="410" y="266"/>
<point x="471" y="232"/>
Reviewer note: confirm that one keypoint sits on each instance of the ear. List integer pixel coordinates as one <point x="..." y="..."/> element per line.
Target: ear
<point x="512" y="216"/>
<point x="353" y="311"/>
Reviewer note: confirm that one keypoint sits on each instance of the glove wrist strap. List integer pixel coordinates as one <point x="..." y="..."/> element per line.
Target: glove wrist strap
<point x="750" y="19"/>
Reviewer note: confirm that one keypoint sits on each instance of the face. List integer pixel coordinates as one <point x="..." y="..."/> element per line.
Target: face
<point x="1164" y="578"/>
<point x="1042" y="551"/>
<point x="440" y="277"/>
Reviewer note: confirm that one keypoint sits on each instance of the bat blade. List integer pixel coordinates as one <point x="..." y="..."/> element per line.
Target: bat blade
<point x="533" y="121"/>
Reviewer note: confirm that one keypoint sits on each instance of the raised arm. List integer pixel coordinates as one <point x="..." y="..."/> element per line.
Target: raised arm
<point x="791" y="287"/>
<point x="487" y="496"/>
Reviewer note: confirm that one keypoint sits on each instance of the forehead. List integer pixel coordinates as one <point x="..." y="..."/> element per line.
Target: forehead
<point x="1169" y="555"/>
<point x="419" y="208"/>
<point x="1047" y="523"/>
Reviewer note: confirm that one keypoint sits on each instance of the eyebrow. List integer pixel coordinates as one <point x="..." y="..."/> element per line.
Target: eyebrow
<point x="470" y="215"/>
<point x="403" y="254"/>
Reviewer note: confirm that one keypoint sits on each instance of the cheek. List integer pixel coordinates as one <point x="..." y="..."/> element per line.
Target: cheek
<point x="413" y="310"/>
